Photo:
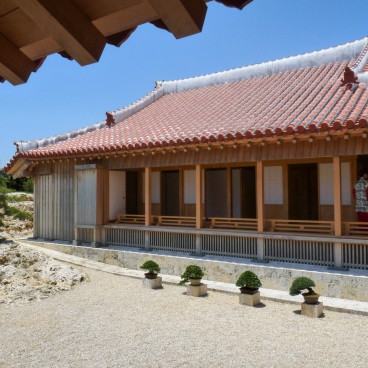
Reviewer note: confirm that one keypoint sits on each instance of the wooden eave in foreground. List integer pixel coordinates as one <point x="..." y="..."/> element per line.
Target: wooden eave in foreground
<point x="30" y="30"/>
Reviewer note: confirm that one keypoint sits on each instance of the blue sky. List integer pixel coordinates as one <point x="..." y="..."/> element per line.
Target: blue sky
<point x="63" y="96"/>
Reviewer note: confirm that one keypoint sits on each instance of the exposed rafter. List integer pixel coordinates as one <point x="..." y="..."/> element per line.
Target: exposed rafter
<point x="31" y="30"/>
<point x="68" y="26"/>
<point x="239" y="4"/>
<point x="14" y="65"/>
<point x="181" y="17"/>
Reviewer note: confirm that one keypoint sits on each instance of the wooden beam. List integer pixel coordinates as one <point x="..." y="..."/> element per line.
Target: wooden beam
<point x="147" y="196"/>
<point x="181" y="17"/>
<point x="14" y="65"/>
<point x="337" y="194"/>
<point x="199" y="207"/>
<point x="68" y="26"/>
<point x="260" y="196"/>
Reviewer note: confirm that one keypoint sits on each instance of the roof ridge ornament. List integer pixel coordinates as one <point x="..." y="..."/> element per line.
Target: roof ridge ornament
<point x="355" y="74"/>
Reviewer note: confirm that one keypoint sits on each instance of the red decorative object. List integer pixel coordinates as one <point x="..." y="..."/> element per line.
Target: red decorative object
<point x="349" y="78"/>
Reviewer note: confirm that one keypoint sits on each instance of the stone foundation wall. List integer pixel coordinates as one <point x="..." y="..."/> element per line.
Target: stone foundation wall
<point x="351" y="285"/>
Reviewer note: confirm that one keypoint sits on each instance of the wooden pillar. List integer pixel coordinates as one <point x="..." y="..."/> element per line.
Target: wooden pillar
<point x="228" y="192"/>
<point x="260" y="197"/>
<point x="337" y="211"/>
<point x="260" y="211"/>
<point x="337" y="194"/>
<point x="199" y="207"/>
<point x="148" y="195"/>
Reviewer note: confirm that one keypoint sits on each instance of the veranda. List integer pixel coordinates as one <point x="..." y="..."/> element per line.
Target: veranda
<point x="231" y="199"/>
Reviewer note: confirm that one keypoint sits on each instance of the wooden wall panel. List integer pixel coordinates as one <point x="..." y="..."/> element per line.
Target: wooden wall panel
<point x="326" y="212"/>
<point x="87" y="195"/>
<point x="275" y="211"/>
<point x="189" y="210"/>
<point x="54" y="203"/>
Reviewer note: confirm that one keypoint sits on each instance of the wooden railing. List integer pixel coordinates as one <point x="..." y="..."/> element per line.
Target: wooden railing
<point x="176" y="221"/>
<point x="233" y="223"/>
<point x="356" y="228"/>
<point x="303" y="226"/>
<point x="123" y="218"/>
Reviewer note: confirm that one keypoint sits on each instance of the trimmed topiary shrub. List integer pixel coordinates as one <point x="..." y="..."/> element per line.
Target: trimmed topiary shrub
<point x="151" y="267"/>
<point x="249" y="280"/>
<point x="191" y="272"/>
<point x="300" y="284"/>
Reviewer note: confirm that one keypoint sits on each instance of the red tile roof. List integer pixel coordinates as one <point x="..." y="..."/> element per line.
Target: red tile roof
<point x="288" y="96"/>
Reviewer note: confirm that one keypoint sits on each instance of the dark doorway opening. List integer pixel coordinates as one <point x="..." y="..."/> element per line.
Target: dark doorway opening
<point x="249" y="206"/>
<point x="132" y="192"/>
<point x="215" y="193"/>
<point x="362" y="164"/>
<point x="170" y="204"/>
<point x="303" y="192"/>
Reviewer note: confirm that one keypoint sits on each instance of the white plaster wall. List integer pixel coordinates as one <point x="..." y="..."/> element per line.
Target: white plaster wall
<point x="189" y="186"/>
<point x="155" y="187"/>
<point x="326" y="183"/>
<point x="273" y="191"/>
<point x="326" y="195"/>
<point x="117" y="192"/>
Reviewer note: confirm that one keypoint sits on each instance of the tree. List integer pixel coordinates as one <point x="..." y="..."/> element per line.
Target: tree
<point x="20" y="184"/>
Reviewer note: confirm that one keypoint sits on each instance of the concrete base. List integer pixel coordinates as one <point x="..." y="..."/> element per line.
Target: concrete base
<point x="76" y="242"/>
<point x="96" y="244"/>
<point x="152" y="283"/>
<point x="250" y="299"/>
<point x="200" y="290"/>
<point x="312" y="310"/>
<point x="352" y="285"/>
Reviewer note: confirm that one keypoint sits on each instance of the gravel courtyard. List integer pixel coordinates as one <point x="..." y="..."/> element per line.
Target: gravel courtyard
<point x="112" y="321"/>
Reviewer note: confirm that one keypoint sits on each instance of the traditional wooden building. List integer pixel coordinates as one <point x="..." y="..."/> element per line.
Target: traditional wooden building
<point x="257" y="162"/>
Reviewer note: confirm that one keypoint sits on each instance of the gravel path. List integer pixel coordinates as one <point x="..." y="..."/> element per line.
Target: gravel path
<point x="113" y="321"/>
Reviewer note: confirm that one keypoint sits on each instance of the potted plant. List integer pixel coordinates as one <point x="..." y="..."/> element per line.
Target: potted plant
<point x="193" y="274"/>
<point x="248" y="282"/>
<point x="304" y="283"/>
<point x="153" y="269"/>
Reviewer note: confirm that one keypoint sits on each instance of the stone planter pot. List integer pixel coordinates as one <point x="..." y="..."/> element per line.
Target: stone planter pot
<point x="250" y="299"/>
<point x="250" y="291"/>
<point x="311" y="299"/>
<point x="155" y="283"/>
<point x="150" y="276"/>
<point x="195" y="282"/>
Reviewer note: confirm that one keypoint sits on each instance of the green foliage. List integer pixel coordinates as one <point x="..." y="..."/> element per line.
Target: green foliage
<point x="300" y="284"/>
<point x="3" y="206"/>
<point x="248" y="279"/>
<point x="19" y="214"/>
<point x="151" y="267"/>
<point x="3" y="181"/>
<point x="191" y="272"/>
<point x="18" y="198"/>
<point x="20" y="184"/>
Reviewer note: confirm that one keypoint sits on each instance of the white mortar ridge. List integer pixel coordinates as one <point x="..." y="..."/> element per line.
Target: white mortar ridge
<point x="23" y="146"/>
<point x="330" y="55"/>
<point x="334" y="304"/>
